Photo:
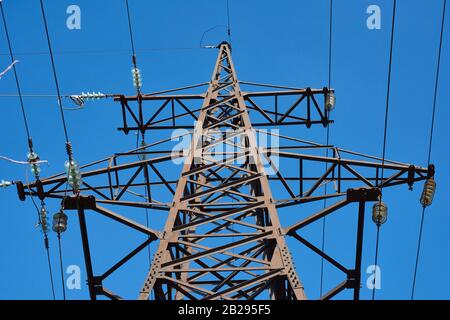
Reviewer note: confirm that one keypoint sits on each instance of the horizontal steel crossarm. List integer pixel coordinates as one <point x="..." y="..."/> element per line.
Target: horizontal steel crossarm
<point x="112" y="169"/>
<point x="56" y="186"/>
<point x="200" y="97"/>
<point x="334" y="160"/>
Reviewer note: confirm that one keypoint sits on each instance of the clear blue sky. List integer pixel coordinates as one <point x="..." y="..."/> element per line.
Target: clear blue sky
<point x="282" y="42"/>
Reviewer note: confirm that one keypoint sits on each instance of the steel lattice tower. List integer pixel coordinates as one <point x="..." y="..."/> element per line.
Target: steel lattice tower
<point x="223" y="238"/>
<point x="267" y="263"/>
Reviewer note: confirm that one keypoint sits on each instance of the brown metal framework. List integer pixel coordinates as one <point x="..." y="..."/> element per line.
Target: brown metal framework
<point x="223" y="238"/>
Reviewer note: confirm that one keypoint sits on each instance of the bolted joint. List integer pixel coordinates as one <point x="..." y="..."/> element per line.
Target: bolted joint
<point x="97" y="284"/>
<point x="363" y="194"/>
<point x="353" y="280"/>
<point x="69" y="149"/>
<point x="20" y="190"/>
<point x="79" y="202"/>
<point x="431" y="171"/>
<point x="40" y="190"/>
<point x="225" y="43"/>
<point x="410" y="179"/>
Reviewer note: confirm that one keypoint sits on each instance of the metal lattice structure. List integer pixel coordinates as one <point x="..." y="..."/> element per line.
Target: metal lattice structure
<point x="223" y="238"/>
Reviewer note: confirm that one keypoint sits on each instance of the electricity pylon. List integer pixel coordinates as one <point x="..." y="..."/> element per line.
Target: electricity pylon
<point x="223" y="238"/>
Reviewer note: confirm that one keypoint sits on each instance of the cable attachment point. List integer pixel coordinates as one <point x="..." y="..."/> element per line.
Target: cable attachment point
<point x="43" y="220"/>
<point x="80" y="99"/>
<point x="93" y="96"/>
<point x="77" y="99"/>
<point x="142" y="155"/>
<point x="330" y="101"/>
<point x="30" y="144"/>
<point x="69" y="149"/>
<point x="137" y="78"/>
<point x="33" y="159"/>
<point x="73" y="174"/>
<point x="59" y="222"/>
<point x="379" y="213"/>
<point x="429" y="189"/>
<point x="5" y="184"/>
<point x="72" y="170"/>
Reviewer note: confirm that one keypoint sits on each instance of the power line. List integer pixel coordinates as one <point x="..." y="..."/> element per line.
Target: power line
<point x="146" y="197"/>
<point x="16" y="77"/>
<point x="138" y="91"/>
<point x="5" y="71"/>
<point x="54" y="73"/>
<point x="137" y="81"/>
<point x="46" y="242"/>
<point x="436" y="87"/>
<point x="327" y="143"/>
<point x="228" y="22"/>
<point x="226" y="26"/>
<point x="21" y="162"/>
<point x="386" y="115"/>
<point x="208" y="30"/>
<point x="130" y="29"/>
<point x="61" y="268"/>
<point x="30" y="145"/>
<point x="330" y="42"/>
<point x="49" y="266"/>
<point x="70" y="163"/>
<point x="377" y="244"/>
<point x="386" y="122"/>
<point x="419" y="242"/>
<point x="100" y="51"/>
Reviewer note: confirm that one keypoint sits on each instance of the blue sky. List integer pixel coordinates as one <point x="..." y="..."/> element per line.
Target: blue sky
<point x="280" y="42"/>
